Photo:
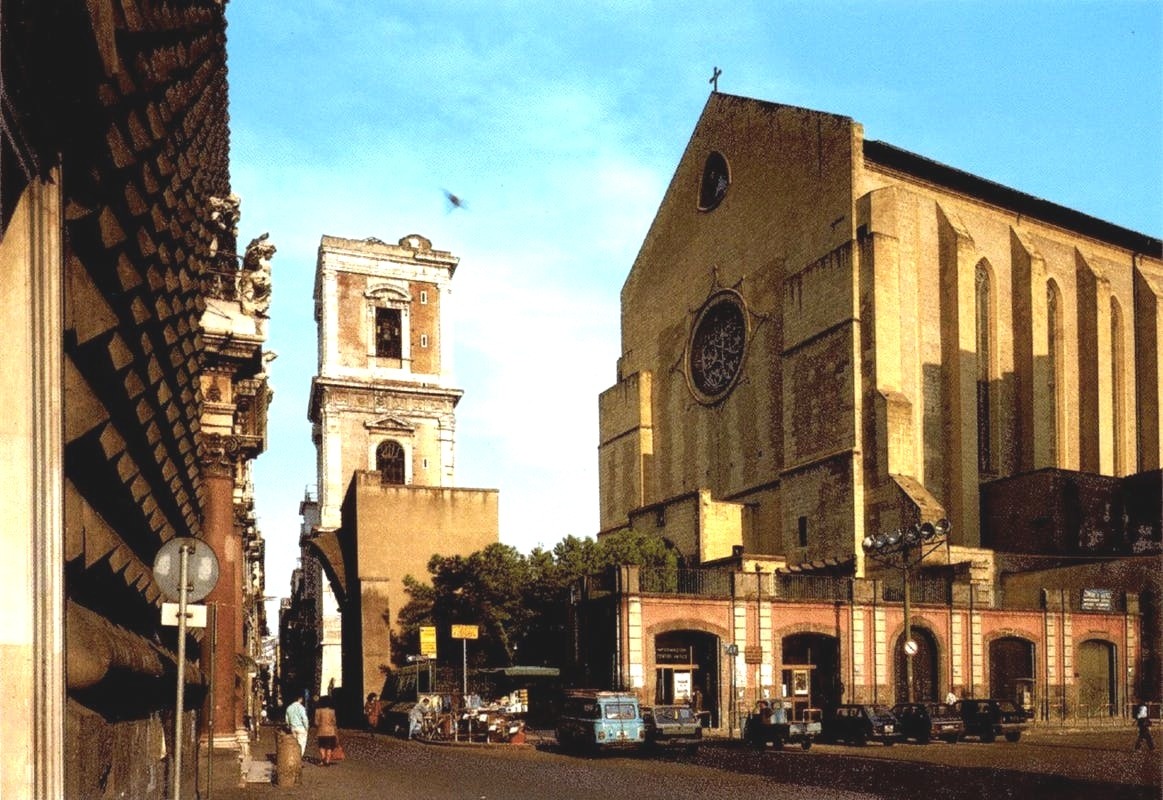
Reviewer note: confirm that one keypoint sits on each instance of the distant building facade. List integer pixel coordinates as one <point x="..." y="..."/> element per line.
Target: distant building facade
<point x="824" y="338"/>
<point x="310" y="625"/>
<point x="383" y="420"/>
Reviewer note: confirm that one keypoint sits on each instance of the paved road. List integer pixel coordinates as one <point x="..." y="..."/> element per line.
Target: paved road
<point x="1054" y="765"/>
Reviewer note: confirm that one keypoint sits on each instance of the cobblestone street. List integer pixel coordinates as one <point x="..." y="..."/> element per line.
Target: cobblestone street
<point x="1062" y="764"/>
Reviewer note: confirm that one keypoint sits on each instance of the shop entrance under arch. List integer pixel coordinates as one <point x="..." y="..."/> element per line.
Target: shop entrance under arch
<point x="811" y="670"/>
<point x="1011" y="671"/>
<point x="925" y="676"/>
<point x="686" y="669"/>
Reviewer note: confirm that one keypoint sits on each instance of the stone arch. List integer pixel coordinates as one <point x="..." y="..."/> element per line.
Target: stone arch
<point x="814" y="649"/>
<point x="1013" y="667"/>
<point x="687" y="652"/>
<point x="929" y="663"/>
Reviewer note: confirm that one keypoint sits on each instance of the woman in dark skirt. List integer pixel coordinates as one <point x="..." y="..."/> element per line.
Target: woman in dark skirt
<point x="327" y="730"/>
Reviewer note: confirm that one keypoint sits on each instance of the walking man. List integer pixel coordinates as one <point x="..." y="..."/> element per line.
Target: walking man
<point x="1143" y="721"/>
<point x="297" y="722"/>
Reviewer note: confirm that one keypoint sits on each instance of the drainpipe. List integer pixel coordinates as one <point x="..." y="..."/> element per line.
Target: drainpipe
<point x="875" y="659"/>
<point x="1046" y="656"/>
<point x="972" y="672"/>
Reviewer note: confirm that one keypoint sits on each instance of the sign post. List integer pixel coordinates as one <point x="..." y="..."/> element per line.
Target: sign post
<point x="188" y="580"/>
<point x="464" y="633"/>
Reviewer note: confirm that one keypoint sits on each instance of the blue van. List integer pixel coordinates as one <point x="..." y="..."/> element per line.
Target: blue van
<point x="593" y="720"/>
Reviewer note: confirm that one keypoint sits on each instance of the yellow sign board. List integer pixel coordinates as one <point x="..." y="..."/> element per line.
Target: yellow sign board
<point x="464" y="631"/>
<point x="428" y="640"/>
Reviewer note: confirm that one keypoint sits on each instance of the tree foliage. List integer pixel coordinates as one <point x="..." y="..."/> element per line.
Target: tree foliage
<point x="520" y="603"/>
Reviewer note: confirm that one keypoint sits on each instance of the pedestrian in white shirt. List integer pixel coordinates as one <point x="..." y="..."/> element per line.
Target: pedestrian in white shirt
<point x="297" y="721"/>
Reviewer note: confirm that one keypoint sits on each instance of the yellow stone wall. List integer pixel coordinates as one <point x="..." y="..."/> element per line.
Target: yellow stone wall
<point x="856" y="408"/>
<point x="398" y="529"/>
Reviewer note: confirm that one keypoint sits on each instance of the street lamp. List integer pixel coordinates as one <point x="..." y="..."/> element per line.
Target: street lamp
<point x="906" y="548"/>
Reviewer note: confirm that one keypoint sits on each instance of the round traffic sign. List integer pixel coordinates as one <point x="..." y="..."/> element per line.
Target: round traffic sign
<point x="911" y="647"/>
<point x="201" y="568"/>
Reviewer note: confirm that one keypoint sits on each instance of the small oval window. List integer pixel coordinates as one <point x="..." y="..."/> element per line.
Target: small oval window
<point x="716" y="179"/>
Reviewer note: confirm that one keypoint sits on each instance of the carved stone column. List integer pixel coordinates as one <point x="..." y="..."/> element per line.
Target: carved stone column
<point x="225" y="703"/>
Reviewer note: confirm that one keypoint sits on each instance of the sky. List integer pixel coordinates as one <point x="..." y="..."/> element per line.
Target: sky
<point x="560" y="124"/>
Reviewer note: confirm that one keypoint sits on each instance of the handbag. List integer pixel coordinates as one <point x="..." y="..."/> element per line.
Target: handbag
<point x="337" y="754"/>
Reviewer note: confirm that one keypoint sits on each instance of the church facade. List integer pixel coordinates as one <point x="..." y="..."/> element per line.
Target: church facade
<point x="825" y="338"/>
<point x="383" y="421"/>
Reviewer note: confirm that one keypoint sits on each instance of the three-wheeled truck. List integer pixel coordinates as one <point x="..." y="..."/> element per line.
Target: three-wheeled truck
<point x="771" y="723"/>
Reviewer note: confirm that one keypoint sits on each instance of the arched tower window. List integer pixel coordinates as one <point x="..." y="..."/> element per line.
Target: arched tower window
<point x="1053" y="367"/>
<point x="1118" y="367"/>
<point x="390" y="462"/>
<point x="389" y="339"/>
<point x="984" y="315"/>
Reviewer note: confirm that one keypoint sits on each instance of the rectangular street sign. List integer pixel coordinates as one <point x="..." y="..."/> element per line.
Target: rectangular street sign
<point x="428" y="640"/>
<point x="464" y="631"/>
<point x="195" y="615"/>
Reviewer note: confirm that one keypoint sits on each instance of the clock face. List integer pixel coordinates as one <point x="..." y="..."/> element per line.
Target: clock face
<point x="717" y="346"/>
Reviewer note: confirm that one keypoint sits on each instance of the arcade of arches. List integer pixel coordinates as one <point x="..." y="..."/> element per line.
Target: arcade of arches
<point x="1052" y="664"/>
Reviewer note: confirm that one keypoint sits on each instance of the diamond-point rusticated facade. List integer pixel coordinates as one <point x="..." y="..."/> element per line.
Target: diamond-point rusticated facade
<point x="133" y="406"/>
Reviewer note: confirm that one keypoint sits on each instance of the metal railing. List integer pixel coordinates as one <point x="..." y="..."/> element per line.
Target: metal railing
<point x="697" y="582"/>
<point x="812" y="587"/>
<point x="923" y="589"/>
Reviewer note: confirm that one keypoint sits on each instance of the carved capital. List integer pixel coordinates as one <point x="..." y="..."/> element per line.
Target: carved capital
<point x="220" y="455"/>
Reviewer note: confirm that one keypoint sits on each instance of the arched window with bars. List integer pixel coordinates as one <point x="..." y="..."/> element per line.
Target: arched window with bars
<point x="1054" y="368"/>
<point x="390" y="462"/>
<point x="1118" y="388"/>
<point x="984" y="317"/>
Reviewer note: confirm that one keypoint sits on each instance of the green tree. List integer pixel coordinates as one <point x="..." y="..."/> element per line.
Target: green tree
<point x="519" y="603"/>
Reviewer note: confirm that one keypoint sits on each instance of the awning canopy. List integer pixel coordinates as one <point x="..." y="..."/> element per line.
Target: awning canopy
<point x="824" y="566"/>
<point x="523" y="672"/>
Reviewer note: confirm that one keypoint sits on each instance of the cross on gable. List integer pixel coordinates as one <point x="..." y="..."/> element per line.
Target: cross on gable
<point x="714" y="81"/>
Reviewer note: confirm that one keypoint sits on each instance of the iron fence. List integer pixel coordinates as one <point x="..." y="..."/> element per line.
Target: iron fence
<point x="812" y="587"/>
<point x="697" y="582"/>
<point x="925" y="589"/>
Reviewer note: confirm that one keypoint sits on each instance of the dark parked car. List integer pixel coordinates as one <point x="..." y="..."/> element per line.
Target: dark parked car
<point x="859" y="724"/>
<point x="672" y="726"/>
<point x="771" y="723"/>
<point x="924" y="722"/>
<point x="988" y="719"/>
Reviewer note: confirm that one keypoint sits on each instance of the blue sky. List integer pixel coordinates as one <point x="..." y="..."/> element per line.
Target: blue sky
<point x="561" y="124"/>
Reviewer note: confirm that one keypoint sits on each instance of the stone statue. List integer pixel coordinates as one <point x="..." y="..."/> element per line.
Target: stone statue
<point x="224" y="214"/>
<point x="254" y="281"/>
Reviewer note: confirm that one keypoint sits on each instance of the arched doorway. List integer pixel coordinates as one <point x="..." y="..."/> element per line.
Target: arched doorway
<point x="1095" y="662"/>
<point x="925" y="676"/>
<point x="686" y="668"/>
<point x="811" y="670"/>
<point x="1011" y="671"/>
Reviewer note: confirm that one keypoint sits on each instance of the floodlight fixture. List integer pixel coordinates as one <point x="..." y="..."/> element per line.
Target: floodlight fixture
<point x="912" y="535"/>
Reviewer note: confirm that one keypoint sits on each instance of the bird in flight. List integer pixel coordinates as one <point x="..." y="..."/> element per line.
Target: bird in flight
<point x="454" y="201"/>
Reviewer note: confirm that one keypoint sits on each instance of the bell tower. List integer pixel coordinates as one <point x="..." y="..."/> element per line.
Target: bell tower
<point x="382" y="399"/>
